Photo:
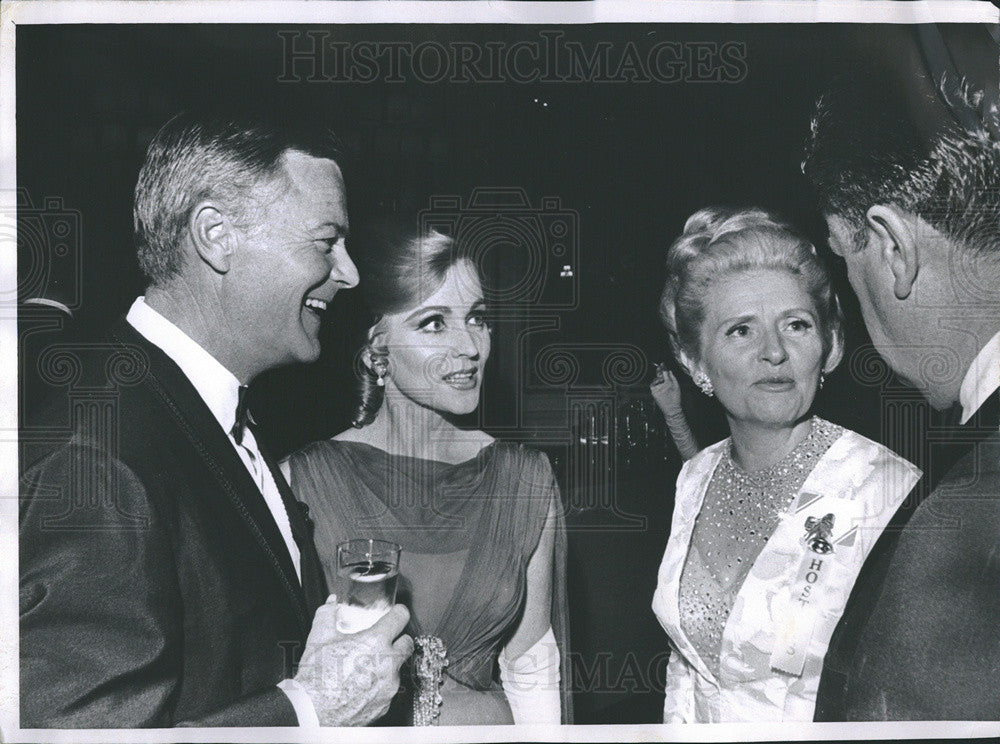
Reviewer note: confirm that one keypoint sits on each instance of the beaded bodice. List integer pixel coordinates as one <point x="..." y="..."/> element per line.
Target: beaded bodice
<point x="739" y="513"/>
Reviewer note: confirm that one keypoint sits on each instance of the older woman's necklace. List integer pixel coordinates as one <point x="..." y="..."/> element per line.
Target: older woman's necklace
<point x="785" y="471"/>
<point x="743" y="507"/>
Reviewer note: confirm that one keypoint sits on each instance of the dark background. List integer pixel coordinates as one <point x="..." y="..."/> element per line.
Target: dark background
<point x="627" y="161"/>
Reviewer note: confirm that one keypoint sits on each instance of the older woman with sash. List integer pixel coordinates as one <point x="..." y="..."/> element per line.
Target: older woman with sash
<point x="770" y="526"/>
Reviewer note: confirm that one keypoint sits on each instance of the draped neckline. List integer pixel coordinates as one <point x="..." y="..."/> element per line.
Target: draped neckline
<point x="429" y="506"/>
<point x="379" y="452"/>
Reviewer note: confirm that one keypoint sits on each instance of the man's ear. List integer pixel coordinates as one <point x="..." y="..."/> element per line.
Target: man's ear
<point x="213" y="236"/>
<point x="895" y="236"/>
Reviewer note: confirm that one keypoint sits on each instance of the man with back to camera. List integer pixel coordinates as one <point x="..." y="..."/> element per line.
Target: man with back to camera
<point x="915" y="213"/>
<point x="167" y="574"/>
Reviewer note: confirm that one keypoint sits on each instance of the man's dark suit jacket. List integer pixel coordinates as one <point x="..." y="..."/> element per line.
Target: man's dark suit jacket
<point x="920" y="637"/>
<point x="155" y="587"/>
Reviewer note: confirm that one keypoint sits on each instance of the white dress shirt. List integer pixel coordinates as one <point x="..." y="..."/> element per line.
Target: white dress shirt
<point x="982" y="379"/>
<point x="219" y="388"/>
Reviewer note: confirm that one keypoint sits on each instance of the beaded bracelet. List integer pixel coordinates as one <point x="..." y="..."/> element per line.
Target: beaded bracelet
<point x="429" y="661"/>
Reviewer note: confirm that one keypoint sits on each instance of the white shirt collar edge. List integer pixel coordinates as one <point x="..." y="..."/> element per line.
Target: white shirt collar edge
<point x="216" y="385"/>
<point x="982" y="379"/>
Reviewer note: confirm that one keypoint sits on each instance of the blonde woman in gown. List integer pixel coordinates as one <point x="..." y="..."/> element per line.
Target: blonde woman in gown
<point x="479" y="520"/>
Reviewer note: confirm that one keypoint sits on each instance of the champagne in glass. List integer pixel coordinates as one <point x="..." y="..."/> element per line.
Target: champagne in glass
<point x="367" y="569"/>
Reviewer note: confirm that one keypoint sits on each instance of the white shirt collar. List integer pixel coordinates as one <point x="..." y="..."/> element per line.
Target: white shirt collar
<point x="982" y="378"/>
<point x="216" y="385"/>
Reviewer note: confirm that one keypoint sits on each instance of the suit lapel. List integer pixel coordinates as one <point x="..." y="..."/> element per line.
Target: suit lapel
<point x="193" y="418"/>
<point x="313" y="582"/>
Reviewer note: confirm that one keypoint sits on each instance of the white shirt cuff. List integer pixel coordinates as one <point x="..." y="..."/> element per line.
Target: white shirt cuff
<point x="305" y="711"/>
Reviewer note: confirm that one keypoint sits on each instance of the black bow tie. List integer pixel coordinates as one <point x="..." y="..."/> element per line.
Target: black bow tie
<point x="244" y="418"/>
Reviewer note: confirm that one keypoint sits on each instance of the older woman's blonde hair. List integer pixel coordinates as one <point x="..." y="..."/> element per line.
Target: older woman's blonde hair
<point x="717" y="242"/>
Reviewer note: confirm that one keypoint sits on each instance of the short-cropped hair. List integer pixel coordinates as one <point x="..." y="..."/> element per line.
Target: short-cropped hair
<point x="865" y="149"/>
<point x="719" y="242"/>
<point x="193" y="158"/>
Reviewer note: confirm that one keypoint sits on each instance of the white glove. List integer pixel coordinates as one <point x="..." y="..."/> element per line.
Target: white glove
<point x="531" y="682"/>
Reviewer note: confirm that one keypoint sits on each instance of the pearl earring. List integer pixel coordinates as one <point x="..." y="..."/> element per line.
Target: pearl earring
<point x="380" y="365"/>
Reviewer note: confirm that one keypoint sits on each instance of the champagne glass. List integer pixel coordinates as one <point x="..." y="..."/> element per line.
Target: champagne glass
<point x="367" y="569"/>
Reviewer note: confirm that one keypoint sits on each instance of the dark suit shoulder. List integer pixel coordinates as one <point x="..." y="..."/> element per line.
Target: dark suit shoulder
<point x="965" y="503"/>
<point x="931" y="649"/>
<point x="95" y="390"/>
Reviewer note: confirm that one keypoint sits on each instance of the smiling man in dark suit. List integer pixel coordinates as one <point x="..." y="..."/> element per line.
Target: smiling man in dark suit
<point x="167" y="574"/>
<point x="908" y="172"/>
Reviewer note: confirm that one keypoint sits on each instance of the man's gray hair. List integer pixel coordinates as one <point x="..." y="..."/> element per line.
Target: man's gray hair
<point x="193" y="158"/>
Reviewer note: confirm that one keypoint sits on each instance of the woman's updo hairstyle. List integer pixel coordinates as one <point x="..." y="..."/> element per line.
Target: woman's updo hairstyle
<point x="400" y="265"/>
<point x="718" y="241"/>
